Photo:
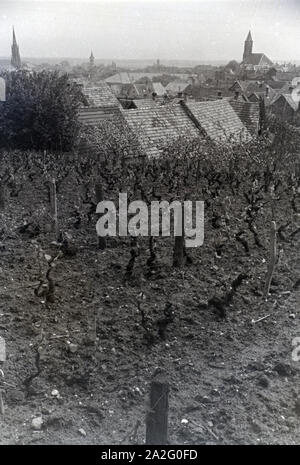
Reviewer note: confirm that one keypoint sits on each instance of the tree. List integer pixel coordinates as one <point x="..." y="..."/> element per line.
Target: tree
<point x="40" y="111"/>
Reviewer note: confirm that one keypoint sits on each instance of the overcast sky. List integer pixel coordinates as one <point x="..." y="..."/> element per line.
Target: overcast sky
<point x="150" y="29"/>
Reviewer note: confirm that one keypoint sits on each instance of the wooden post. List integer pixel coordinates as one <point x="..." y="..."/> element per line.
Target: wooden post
<point x="53" y="203"/>
<point x="157" y="417"/>
<point x="179" y="245"/>
<point x="272" y="259"/>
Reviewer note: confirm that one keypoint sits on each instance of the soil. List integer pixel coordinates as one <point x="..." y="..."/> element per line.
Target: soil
<point x="83" y="363"/>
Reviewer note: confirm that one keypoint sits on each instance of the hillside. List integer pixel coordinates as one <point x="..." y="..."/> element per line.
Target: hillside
<point x="83" y="363"/>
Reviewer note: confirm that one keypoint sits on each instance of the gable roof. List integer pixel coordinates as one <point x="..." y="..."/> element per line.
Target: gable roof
<point x="158" y="88"/>
<point x="287" y="99"/>
<point x="257" y="59"/>
<point x="175" y="87"/>
<point x="243" y="85"/>
<point x="100" y="96"/>
<point x="219" y="120"/>
<point x="156" y="127"/>
<point x="248" y="112"/>
<point x="102" y="104"/>
<point x="277" y="84"/>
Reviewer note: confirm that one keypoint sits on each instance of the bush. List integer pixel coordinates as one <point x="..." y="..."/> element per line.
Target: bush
<point x="40" y="111"/>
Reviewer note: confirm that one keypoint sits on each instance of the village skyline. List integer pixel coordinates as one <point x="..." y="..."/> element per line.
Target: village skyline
<point x="199" y="31"/>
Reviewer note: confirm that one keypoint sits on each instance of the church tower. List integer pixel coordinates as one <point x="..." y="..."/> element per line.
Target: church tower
<point x="92" y="60"/>
<point x="15" y="53"/>
<point x="248" y="47"/>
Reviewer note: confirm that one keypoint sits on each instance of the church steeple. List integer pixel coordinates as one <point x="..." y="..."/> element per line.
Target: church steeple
<point x="15" y="53"/>
<point x="92" y="59"/>
<point x="248" y="47"/>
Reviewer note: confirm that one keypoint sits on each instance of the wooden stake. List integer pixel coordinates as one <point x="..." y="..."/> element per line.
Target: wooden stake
<point x="53" y="203"/>
<point x="157" y="417"/>
<point x="272" y="259"/>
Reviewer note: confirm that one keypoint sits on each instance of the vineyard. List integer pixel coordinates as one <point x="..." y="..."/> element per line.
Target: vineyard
<point x="88" y="320"/>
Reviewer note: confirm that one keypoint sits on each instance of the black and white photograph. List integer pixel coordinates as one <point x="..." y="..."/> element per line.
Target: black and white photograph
<point x="149" y="225"/>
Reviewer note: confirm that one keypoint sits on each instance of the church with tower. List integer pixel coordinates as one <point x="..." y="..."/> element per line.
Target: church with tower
<point x="15" y="53"/>
<point x="254" y="61"/>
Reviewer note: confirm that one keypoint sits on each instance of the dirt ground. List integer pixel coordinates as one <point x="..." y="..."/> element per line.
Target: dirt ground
<point x="83" y="364"/>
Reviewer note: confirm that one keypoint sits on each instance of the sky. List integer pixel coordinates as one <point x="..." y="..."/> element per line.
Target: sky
<point x="197" y="30"/>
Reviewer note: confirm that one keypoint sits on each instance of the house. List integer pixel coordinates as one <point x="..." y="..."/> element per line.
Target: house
<point x="254" y="91"/>
<point x="254" y="61"/>
<point x="101" y="104"/>
<point x="285" y="108"/>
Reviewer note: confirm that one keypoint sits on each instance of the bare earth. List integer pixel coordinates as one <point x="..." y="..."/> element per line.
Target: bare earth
<point x="232" y="379"/>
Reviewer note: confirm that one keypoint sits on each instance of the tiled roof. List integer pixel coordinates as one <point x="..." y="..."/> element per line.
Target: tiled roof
<point x="243" y="85"/>
<point x="175" y="87"/>
<point x="100" y="96"/>
<point x="144" y="103"/>
<point x="248" y="112"/>
<point x="158" y="88"/>
<point x="277" y="84"/>
<point x="260" y="88"/>
<point x="257" y="59"/>
<point x="156" y="127"/>
<point x="102" y="104"/>
<point x="287" y="98"/>
<point x="93" y="116"/>
<point x="219" y="120"/>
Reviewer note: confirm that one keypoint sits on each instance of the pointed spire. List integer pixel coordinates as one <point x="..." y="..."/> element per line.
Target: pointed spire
<point x="14" y="36"/>
<point x="15" y="53"/>
<point x="249" y="37"/>
<point x="92" y="59"/>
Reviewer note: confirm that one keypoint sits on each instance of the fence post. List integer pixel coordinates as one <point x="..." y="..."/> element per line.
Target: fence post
<point x="272" y="259"/>
<point x="157" y="416"/>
